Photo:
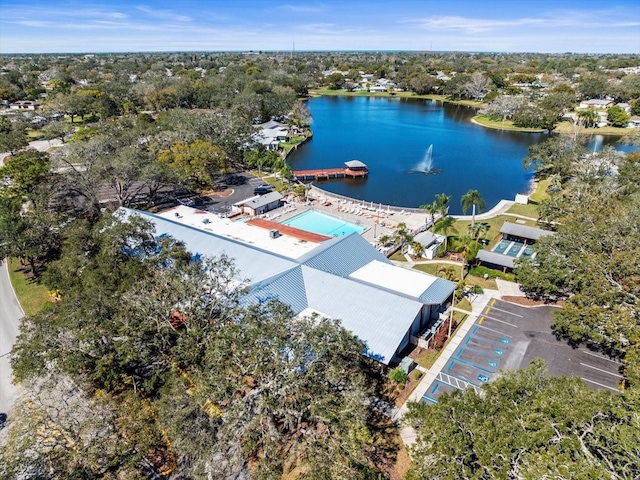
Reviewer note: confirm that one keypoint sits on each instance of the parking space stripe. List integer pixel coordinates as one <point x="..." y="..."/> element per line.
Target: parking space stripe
<point x="493" y="302"/>
<point x="462" y="360"/>
<point x="600" y="384"/>
<point x="601" y="370"/>
<point x="502" y="321"/>
<point x="486" y="312"/>
<point x="481" y="321"/>
<point x="507" y="311"/>
<point x="489" y="341"/>
<point x="603" y="357"/>
<point x="494" y="330"/>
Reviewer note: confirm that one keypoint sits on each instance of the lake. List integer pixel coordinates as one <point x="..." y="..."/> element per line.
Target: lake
<point x="392" y="136"/>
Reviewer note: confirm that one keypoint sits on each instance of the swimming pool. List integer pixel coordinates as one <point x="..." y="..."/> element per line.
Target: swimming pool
<point x="324" y="224"/>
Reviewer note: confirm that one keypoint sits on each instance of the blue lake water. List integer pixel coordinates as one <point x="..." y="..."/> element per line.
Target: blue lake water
<point x="392" y="136"/>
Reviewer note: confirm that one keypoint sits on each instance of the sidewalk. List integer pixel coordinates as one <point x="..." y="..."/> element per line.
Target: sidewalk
<point x="478" y="305"/>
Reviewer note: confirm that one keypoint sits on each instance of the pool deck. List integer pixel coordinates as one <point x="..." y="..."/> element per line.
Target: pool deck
<point x="376" y="223"/>
<point x="287" y="230"/>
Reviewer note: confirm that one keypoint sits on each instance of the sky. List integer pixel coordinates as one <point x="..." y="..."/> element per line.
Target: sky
<point x="584" y="26"/>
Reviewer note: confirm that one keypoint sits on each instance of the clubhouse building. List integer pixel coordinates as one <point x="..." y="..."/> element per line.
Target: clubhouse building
<point x="343" y="278"/>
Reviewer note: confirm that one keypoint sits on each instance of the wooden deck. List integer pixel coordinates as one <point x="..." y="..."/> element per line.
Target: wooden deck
<point x="327" y="173"/>
<point x="290" y="231"/>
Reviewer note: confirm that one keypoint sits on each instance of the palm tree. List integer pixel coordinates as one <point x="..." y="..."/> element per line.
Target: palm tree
<point x="417" y="248"/>
<point x="478" y="229"/>
<point x="589" y="117"/>
<point x="442" y="200"/>
<point x="431" y="209"/>
<point x="447" y="272"/>
<point x="444" y="225"/>
<point x="472" y="199"/>
<point x="402" y="235"/>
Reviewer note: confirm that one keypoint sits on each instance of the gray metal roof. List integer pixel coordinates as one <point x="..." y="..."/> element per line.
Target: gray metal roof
<point x="355" y="164"/>
<point x="523" y="231"/>
<point x="288" y="288"/>
<point x="263" y="200"/>
<point x="342" y="255"/>
<point x="379" y="318"/>
<point x="496" y="258"/>
<point x="438" y="292"/>
<point x="425" y="238"/>
<point x="319" y="280"/>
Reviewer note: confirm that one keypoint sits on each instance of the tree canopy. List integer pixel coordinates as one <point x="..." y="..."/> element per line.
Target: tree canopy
<point x="527" y="425"/>
<point x="234" y="390"/>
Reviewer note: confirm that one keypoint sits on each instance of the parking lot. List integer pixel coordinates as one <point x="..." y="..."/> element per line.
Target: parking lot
<point x="508" y="337"/>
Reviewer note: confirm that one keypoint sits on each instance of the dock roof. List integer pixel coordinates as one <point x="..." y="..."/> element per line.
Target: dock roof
<point x="355" y="164"/>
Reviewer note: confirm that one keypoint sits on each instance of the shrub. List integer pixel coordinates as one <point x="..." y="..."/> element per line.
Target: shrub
<point x="398" y="375"/>
<point x="417" y="374"/>
<point x="480" y="271"/>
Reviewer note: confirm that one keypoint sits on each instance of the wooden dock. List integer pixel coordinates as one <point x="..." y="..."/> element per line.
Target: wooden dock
<point x="353" y="169"/>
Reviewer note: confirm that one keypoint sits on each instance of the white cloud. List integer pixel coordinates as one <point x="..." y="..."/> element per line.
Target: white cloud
<point x="163" y="14"/>
<point x="303" y="8"/>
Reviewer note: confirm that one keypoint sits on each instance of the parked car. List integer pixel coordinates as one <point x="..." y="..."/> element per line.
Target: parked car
<point x="262" y="189"/>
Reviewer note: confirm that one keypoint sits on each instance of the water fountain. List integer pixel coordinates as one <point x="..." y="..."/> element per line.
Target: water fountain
<point x="426" y="165"/>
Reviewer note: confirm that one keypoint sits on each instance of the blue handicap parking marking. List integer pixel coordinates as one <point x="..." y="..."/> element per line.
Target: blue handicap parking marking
<point x="492" y="363"/>
<point x="474" y="329"/>
<point x="504" y="340"/>
<point x="433" y="390"/>
<point x="450" y="366"/>
<point x="498" y="352"/>
<point x="466" y="342"/>
<point x="426" y="399"/>
<point x="483" y="378"/>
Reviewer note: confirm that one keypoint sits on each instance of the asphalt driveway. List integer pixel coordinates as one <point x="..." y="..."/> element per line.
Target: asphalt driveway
<point x="507" y="337"/>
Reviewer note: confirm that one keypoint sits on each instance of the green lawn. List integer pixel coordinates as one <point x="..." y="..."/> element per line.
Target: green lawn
<point x="570" y="128"/>
<point x="489" y="283"/>
<point x="33" y="296"/>
<point x="398" y="257"/>
<point x="528" y="210"/>
<point x="430" y="268"/>
<point x="541" y="191"/>
<point x="502" y="125"/>
<point x="461" y="227"/>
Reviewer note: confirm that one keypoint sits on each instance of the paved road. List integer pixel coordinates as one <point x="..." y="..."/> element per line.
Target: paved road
<point x="10" y="315"/>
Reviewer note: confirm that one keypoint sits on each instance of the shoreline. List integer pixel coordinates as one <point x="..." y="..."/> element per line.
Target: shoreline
<point x="504" y="129"/>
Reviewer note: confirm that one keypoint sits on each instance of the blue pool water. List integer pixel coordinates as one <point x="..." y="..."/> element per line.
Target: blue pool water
<point x="317" y="222"/>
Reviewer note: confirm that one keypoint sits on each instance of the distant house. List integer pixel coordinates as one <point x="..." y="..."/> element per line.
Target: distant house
<point x="634" y="122"/>
<point x="270" y="134"/>
<point x="259" y="204"/>
<point x="24" y="105"/>
<point x="430" y="242"/>
<point x="596" y="103"/>
<point x="625" y="106"/>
